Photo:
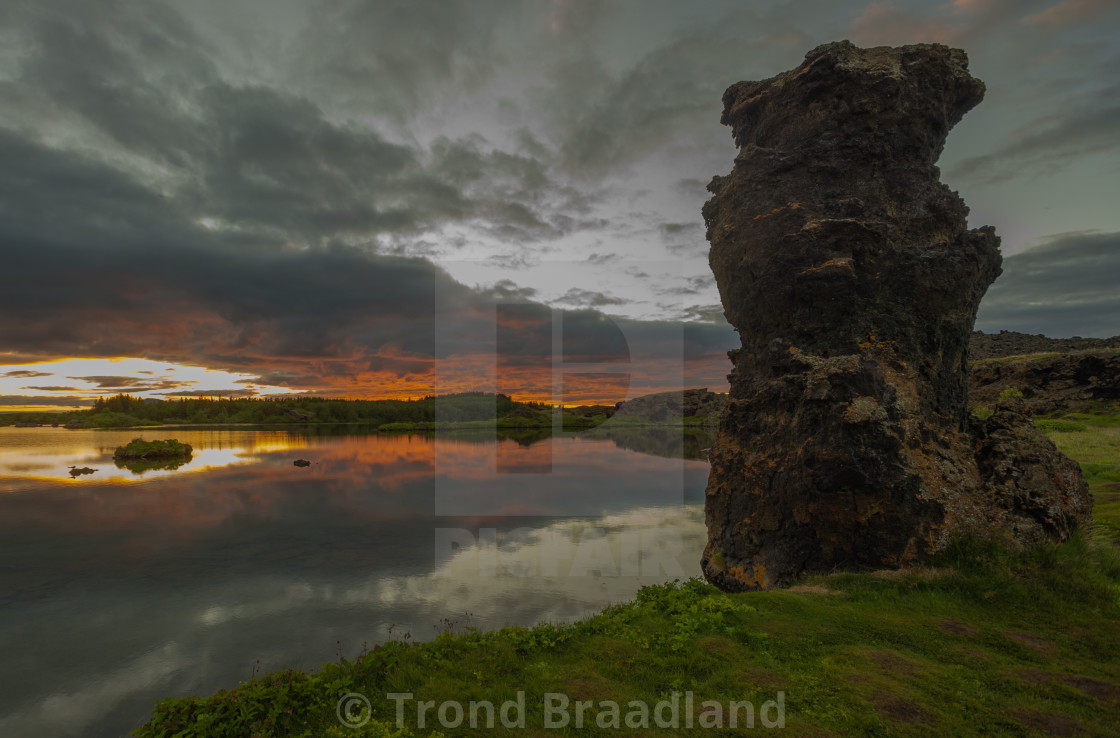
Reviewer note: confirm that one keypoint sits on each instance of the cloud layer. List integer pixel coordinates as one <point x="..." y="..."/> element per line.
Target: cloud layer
<point x="1061" y="288"/>
<point x="309" y="191"/>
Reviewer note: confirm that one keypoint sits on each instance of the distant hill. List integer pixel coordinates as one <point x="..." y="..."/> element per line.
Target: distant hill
<point x="673" y="407"/>
<point x="1054" y="374"/>
<point x="1050" y="381"/>
<point x="1009" y="343"/>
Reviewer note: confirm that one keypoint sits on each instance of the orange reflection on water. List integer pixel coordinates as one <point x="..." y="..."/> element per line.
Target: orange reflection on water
<point x="49" y="454"/>
<point x="249" y="476"/>
<point x="370" y="478"/>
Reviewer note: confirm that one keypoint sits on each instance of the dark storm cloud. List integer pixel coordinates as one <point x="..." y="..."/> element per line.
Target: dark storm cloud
<point x="684" y="239"/>
<point x="707" y="339"/>
<point x="692" y="286"/>
<point x="275" y="163"/>
<point x="211" y="393"/>
<point x="82" y="239"/>
<point x="1080" y="125"/>
<point x="266" y="160"/>
<point x="44" y="401"/>
<point x="581" y="298"/>
<point x="132" y="383"/>
<point x="1071" y="116"/>
<point x="603" y="117"/>
<point x="659" y="354"/>
<point x="705" y="314"/>
<point x="410" y="51"/>
<point x="506" y="290"/>
<point x="522" y="259"/>
<point x="610" y="122"/>
<point x="1062" y="288"/>
<point x="99" y="76"/>
<point x="691" y="186"/>
<point x="176" y="191"/>
<point x="590" y="337"/>
<point x="98" y="266"/>
<point x="672" y="230"/>
<point x="273" y="378"/>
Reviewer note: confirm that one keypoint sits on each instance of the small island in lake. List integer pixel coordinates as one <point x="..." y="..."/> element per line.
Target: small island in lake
<point x="140" y="456"/>
<point x="138" y="448"/>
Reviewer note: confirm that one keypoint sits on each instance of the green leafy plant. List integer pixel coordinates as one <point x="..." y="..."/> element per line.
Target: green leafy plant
<point x="1010" y="393"/>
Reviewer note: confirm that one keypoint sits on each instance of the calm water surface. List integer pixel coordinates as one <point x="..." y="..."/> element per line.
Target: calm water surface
<point x="120" y="587"/>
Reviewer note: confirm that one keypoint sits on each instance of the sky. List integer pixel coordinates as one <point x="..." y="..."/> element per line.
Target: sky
<point x="392" y="198"/>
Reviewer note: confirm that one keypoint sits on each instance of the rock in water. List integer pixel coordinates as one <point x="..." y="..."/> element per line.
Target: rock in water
<point x="849" y="272"/>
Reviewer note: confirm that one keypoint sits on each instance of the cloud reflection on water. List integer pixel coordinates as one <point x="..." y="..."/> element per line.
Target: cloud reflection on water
<point x="114" y="595"/>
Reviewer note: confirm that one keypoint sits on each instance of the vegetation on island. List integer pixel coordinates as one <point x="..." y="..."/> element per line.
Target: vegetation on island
<point x="139" y="456"/>
<point x="138" y="448"/>
<point x="986" y="640"/>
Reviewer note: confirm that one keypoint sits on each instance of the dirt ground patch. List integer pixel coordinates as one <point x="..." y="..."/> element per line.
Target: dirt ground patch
<point x="1047" y="723"/>
<point x="591" y="687"/>
<point x="973" y="653"/>
<point x="1091" y="686"/>
<point x="1031" y="640"/>
<point x="760" y="678"/>
<point x="893" y="662"/>
<point x="956" y="627"/>
<point x="894" y="707"/>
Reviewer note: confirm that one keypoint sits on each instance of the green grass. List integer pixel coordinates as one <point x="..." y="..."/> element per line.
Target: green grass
<point x="1093" y="440"/>
<point x="138" y="448"/>
<point x="984" y="641"/>
<point x="1017" y="358"/>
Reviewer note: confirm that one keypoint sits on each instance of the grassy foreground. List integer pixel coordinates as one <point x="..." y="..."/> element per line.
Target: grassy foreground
<point x="985" y="641"/>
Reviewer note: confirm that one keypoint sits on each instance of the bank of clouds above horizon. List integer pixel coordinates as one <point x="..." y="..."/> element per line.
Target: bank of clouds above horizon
<point x="303" y="197"/>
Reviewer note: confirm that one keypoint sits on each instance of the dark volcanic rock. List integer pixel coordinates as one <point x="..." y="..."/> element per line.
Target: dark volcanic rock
<point x="1050" y="383"/>
<point x="673" y="407"/>
<point x="1036" y="491"/>
<point x="852" y="279"/>
<point x="1010" y="343"/>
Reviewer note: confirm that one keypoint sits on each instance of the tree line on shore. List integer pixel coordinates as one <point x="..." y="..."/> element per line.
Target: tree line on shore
<point x="123" y="410"/>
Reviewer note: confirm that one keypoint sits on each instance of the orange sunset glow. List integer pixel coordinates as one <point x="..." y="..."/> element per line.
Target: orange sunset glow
<point x="652" y="364"/>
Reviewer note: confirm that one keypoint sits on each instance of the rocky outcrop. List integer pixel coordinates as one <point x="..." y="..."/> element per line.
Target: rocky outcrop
<point x="1012" y="343"/>
<point x="1050" y="383"/>
<point x="1026" y="485"/>
<point x="852" y="279"/>
<point x="673" y="407"/>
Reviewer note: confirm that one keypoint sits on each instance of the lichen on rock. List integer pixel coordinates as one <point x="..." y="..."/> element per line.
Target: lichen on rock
<point x="849" y="272"/>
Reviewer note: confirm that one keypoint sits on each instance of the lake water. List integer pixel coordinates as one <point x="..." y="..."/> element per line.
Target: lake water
<point x="119" y="587"/>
